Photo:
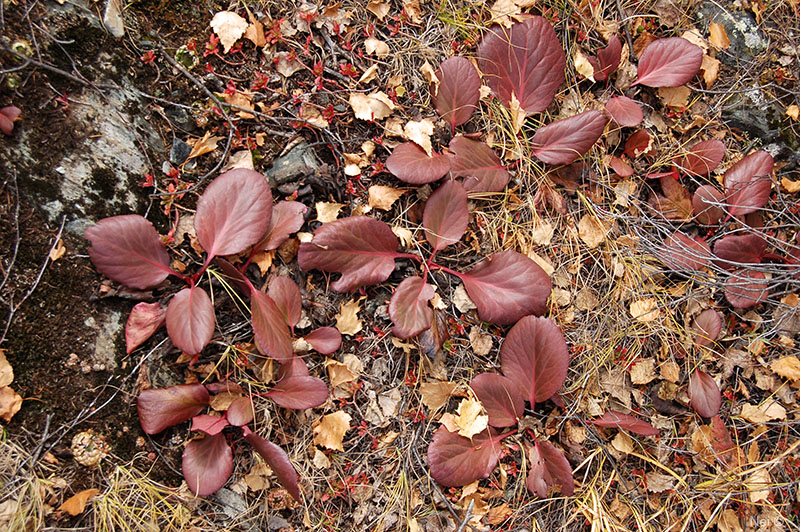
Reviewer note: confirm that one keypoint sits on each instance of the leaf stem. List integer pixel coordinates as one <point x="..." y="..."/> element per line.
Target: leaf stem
<point x="433" y="265"/>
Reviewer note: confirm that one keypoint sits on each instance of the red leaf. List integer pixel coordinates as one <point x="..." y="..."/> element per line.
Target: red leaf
<point x="535" y="356"/>
<point x="409" y="307"/>
<point x="501" y="397"/>
<point x="299" y="393"/>
<point x="706" y="328"/>
<point x="287" y="218"/>
<point x="207" y="464"/>
<point x="458" y="92"/>
<point x="507" y="286"/>
<point x="748" y="183"/>
<point x="269" y="326"/>
<point x="361" y="248"/>
<point x="669" y="62"/>
<point x="621" y="168"/>
<point x="409" y="163"/>
<point x="746" y="288"/>
<point x="240" y="412"/>
<point x="735" y="250"/>
<point x="721" y="441"/>
<point x="286" y="295"/>
<point x="525" y="60"/>
<point x="478" y="164"/>
<point x="160" y="408"/>
<point x="324" y="340"/>
<point x="563" y="141"/>
<point x="624" y="111"/>
<point x="675" y="203"/>
<point x="681" y="252"/>
<point x="457" y="461"/>
<point x="704" y="394"/>
<point x="211" y="425"/>
<point x="8" y="115"/>
<point x="637" y="144"/>
<point x="190" y="320"/>
<point x="705" y="204"/>
<point x="618" y="420"/>
<point x="608" y="59"/>
<point x="232" y="276"/>
<point x="703" y="157"/>
<point x="128" y="250"/>
<point x="446" y="216"/>
<point x="277" y="460"/>
<point x="549" y="469"/>
<point x="234" y="212"/>
<point x="294" y="367"/>
<point x="143" y="321"/>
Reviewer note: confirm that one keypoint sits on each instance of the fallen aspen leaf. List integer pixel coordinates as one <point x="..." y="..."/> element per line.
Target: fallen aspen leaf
<point x="717" y="36"/>
<point x="759" y="484"/>
<point x="379" y="9"/>
<point x="787" y="367"/>
<point x="710" y="68"/>
<point x="763" y="413"/>
<point x="77" y="503"/>
<point x="583" y="66"/>
<point x="376" y="47"/>
<point x="383" y="197"/>
<point x="790" y="186"/>
<point x="58" y="251"/>
<point x="368" y="75"/>
<point x="256" y="478"/>
<point x="338" y="373"/>
<point x="347" y="321"/>
<point x="420" y="131"/>
<point x="623" y="443"/>
<point x="6" y="371"/>
<point x="592" y="231"/>
<point x="435" y="394"/>
<point x="643" y="371"/>
<point x="229" y="27"/>
<point x="327" y="212"/>
<point x="481" y="343"/>
<point x="470" y="419"/>
<point x="645" y="310"/>
<point x="461" y="300"/>
<point x="10" y="403"/>
<point x="203" y="145"/>
<point x="330" y="430"/>
<point x="793" y="112"/>
<point x="675" y="96"/>
<point x="659" y="482"/>
<point x="404" y="234"/>
<point x="371" y="107"/>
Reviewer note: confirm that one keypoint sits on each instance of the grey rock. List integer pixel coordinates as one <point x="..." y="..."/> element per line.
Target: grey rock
<point x="747" y="39"/>
<point x="180" y="117"/>
<point x="109" y="330"/>
<point x="179" y="152"/>
<point x="232" y="504"/>
<point x="298" y="163"/>
<point x="112" y="19"/>
<point x="275" y="522"/>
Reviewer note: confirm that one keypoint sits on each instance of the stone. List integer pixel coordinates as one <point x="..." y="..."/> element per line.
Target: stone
<point x="299" y="162"/>
<point x="747" y="39"/>
<point x="179" y="152"/>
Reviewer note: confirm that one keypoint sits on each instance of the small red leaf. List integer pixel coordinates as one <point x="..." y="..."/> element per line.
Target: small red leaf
<point x="676" y="201"/>
<point x="232" y="276"/>
<point x="409" y="309"/>
<point x="746" y="288"/>
<point x="617" y="420"/>
<point x="706" y="327"/>
<point x="608" y="59"/>
<point x="501" y="397"/>
<point x="211" y="425"/>
<point x="128" y="250"/>
<point x="704" y="394"/>
<point x="669" y="62"/>
<point x="507" y="286"/>
<point x="286" y="295"/>
<point x="706" y="205"/>
<point x="446" y="216"/>
<point x="361" y="248"/>
<point x="457" y="461"/>
<point x="703" y="157"/>
<point x="409" y="163"/>
<point x="637" y="144"/>
<point x="324" y="340"/>
<point x="735" y="250"/>
<point x="234" y="212"/>
<point x="190" y="320"/>
<point x="621" y="168"/>
<point x="458" y="92"/>
<point x="549" y="469"/>
<point x="143" y="321"/>
<point x="8" y="115"/>
<point x="624" y="111"/>
<point x="299" y="393"/>
<point x="269" y="326"/>
<point x="287" y="218"/>
<point x="207" y="464"/>
<point x="681" y="252"/>
<point x="748" y="183"/>
<point x="478" y="164"/>
<point x="160" y="408"/>
<point x="563" y="141"/>
<point x="240" y="412"/>
<point x="277" y="460"/>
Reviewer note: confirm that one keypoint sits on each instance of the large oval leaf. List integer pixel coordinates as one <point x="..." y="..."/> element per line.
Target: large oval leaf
<point x="269" y="327"/>
<point x="299" y="393"/>
<point x="128" y="250"/>
<point x="160" y="408"/>
<point x="669" y="62"/>
<point x="525" y="61"/>
<point x="706" y="203"/>
<point x="535" y="356"/>
<point x="703" y="157"/>
<point x="233" y="277"/>
<point x="286" y="295"/>
<point x="207" y="464"/>
<point x="456" y="96"/>
<point x="680" y="252"/>
<point x="565" y="140"/>
<point x="608" y="59"/>
<point x="240" y="412"/>
<point x="143" y="321"/>
<point x="507" y="286"/>
<point x="457" y="461"/>
<point x="234" y="212"/>
<point x="735" y="250"/>
<point x="748" y="183"/>
<point x="190" y="320"/>
<point x="287" y="218"/>
<point x="408" y="162"/>
<point x="704" y="394"/>
<point x="624" y="111"/>
<point x="446" y="215"/>
<point x="549" y="470"/>
<point x="361" y="248"/>
<point x="478" y="164"/>
<point x="211" y="425"/>
<point x="746" y="288"/>
<point x="277" y="460"/>
<point x="409" y="309"/>
<point x="324" y="340"/>
<point x="618" y="420"/>
<point x="706" y="327"/>
<point x="501" y="397"/>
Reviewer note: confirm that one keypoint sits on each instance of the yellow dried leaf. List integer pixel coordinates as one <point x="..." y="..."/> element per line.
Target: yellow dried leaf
<point x="378" y="8"/>
<point x="368" y="75"/>
<point x="6" y="371"/>
<point x="518" y="114"/>
<point x="420" y="131"/>
<point x="229" y="27"/>
<point x="790" y="186"/>
<point x="710" y="68"/>
<point x="481" y="343"/>
<point x="793" y="112"/>
<point x="718" y="37"/>
<point x="623" y="443"/>
<point x="263" y="260"/>
<point x="728" y="521"/>
<point x="787" y="367"/>
<point x="383" y="197"/>
<point x="327" y="212"/>
<point x="643" y="371"/>
<point x="347" y="321"/>
<point x="670" y="371"/>
<point x="470" y="419"/>
<point x="313" y="116"/>
<point x="330" y="430"/>
<point x="338" y="373"/>
<point x="645" y="310"/>
<point x="203" y="145"/>
<point x="10" y="403"/>
<point x="763" y="413"/>
<point x="77" y="503"/>
<point x="411" y="7"/>
<point x="675" y="96"/>
<point x="376" y="47"/>
<point x="256" y="478"/>
<point x="435" y="394"/>
<point x="759" y="484"/>
<point x="255" y="33"/>
<point x="592" y="231"/>
<point x="405" y="235"/>
<point x="371" y="107"/>
<point x="583" y="66"/>
<point x="58" y="251"/>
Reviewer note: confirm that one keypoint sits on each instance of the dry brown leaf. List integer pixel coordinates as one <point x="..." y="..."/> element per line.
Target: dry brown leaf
<point x="763" y="413"/>
<point x="435" y="394"/>
<point x="347" y="321"/>
<point x="710" y="68"/>
<point x="670" y="371"/>
<point x="77" y="503"/>
<point x="339" y="373"/>
<point x="404" y="234"/>
<point x="378" y="8"/>
<point x="481" y="343"/>
<point x="592" y="231"/>
<point x="371" y="107"/>
<point x="10" y="403"/>
<point x="623" y="443"/>
<point x="203" y="145"/>
<point x="411" y="7"/>
<point x="255" y="33"/>
<point x="383" y="197"/>
<point x="6" y="371"/>
<point x="263" y="259"/>
<point x="787" y="367"/>
<point x="645" y="310"/>
<point x="505" y="12"/>
<point x="728" y="520"/>
<point x="461" y="299"/>
<point x="240" y="159"/>
<point x="659" y="482"/>
<point x="790" y="186"/>
<point x="368" y="75"/>
<point x="793" y="112"/>
<point x="327" y="212"/>
<point x="518" y="114"/>
<point x="718" y="37"/>
<point x="470" y="419"/>
<point x="759" y="484"/>
<point x="256" y="478"/>
<point x="643" y="371"/>
<point x="321" y="461"/>
<point x="675" y="96"/>
<point x="229" y="27"/>
<point x="583" y="66"/>
<point x="330" y="430"/>
<point x="376" y="47"/>
<point x="239" y="99"/>
<point x="58" y="251"/>
<point x="498" y="514"/>
<point x="420" y="131"/>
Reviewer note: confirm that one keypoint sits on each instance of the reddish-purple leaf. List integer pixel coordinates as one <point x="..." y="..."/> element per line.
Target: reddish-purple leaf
<point x="324" y="340"/>
<point x="637" y="144"/>
<point x="549" y="469"/>
<point x="704" y="394"/>
<point x="702" y="158"/>
<point x="748" y="183"/>
<point x="478" y="164"/>
<point x="190" y="320"/>
<point x="128" y="250"/>
<point x="232" y="276"/>
<point x="680" y="252"/>
<point x="8" y="115"/>
<point x="735" y="250"/>
<point x="618" y="420"/>
<point x="299" y="393"/>
<point x="676" y="201"/>
<point x="456" y="97"/>
<point x="608" y="59"/>
<point x="507" y="286"/>
<point x="706" y="205"/>
<point x="361" y="248"/>
<point x="409" y="307"/>
<point x="286" y="295"/>
<point x="624" y="111"/>
<point x="294" y="367"/>
<point x="457" y="461"/>
<point x="563" y="141"/>
<point x="224" y="387"/>
<point x="240" y="412"/>
<point x="143" y="321"/>
<point x="408" y="162"/>
<point x="209" y="424"/>
<point x="535" y="356"/>
<point x="669" y="62"/>
<point x="746" y="288"/>
<point x="160" y="408"/>
<point x="706" y="327"/>
<point x="277" y="460"/>
<point x="287" y="218"/>
<point x="620" y="167"/>
<point x="234" y="212"/>
<point x="269" y="327"/>
<point x="207" y="464"/>
<point x="501" y="397"/>
<point x="526" y="61"/>
<point x="446" y="216"/>
<point x="721" y="442"/>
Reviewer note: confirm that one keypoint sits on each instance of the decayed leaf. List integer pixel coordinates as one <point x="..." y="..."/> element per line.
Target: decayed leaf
<point x="478" y="164"/>
<point x="347" y="321"/>
<point x="10" y="403"/>
<point x="435" y="394"/>
<point x="409" y="163"/>
<point x="457" y="461"/>
<point x="585" y="66"/>
<point x="763" y="413"/>
<point x="675" y="96"/>
<point x="376" y="47"/>
<point x="787" y="367"/>
<point x="327" y="211"/>
<point x="643" y="371"/>
<point x="717" y="36"/>
<point x="639" y="143"/>
<point x="203" y="145"/>
<point x="659" y="482"/>
<point x="77" y="503"/>
<point x="383" y="197"/>
<point x="419" y="132"/>
<point x="229" y="27"/>
<point x="480" y="343"/>
<point x="676" y="201"/>
<point x="645" y="310"/>
<point x="592" y="231"/>
<point x="339" y="373"/>
<point x="379" y="8"/>
<point x="6" y="371"/>
<point x="330" y="430"/>
<point x="470" y="419"/>
<point x="710" y="69"/>
<point x="456" y="96"/>
<point x="371" y="107"/>
<point x="669" y="62"/>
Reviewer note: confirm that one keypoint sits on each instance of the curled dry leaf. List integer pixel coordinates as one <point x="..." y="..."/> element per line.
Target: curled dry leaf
<point x="330" y="430"/>
<point x="76" y="504"/>
<point x="383" y="197"/>
<point x="229" y="27"/>
<point x="470" y="419"/>
<point x="419" y="132"/>
<point x="435" y="394"/>
<point x="10" y="403"/>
